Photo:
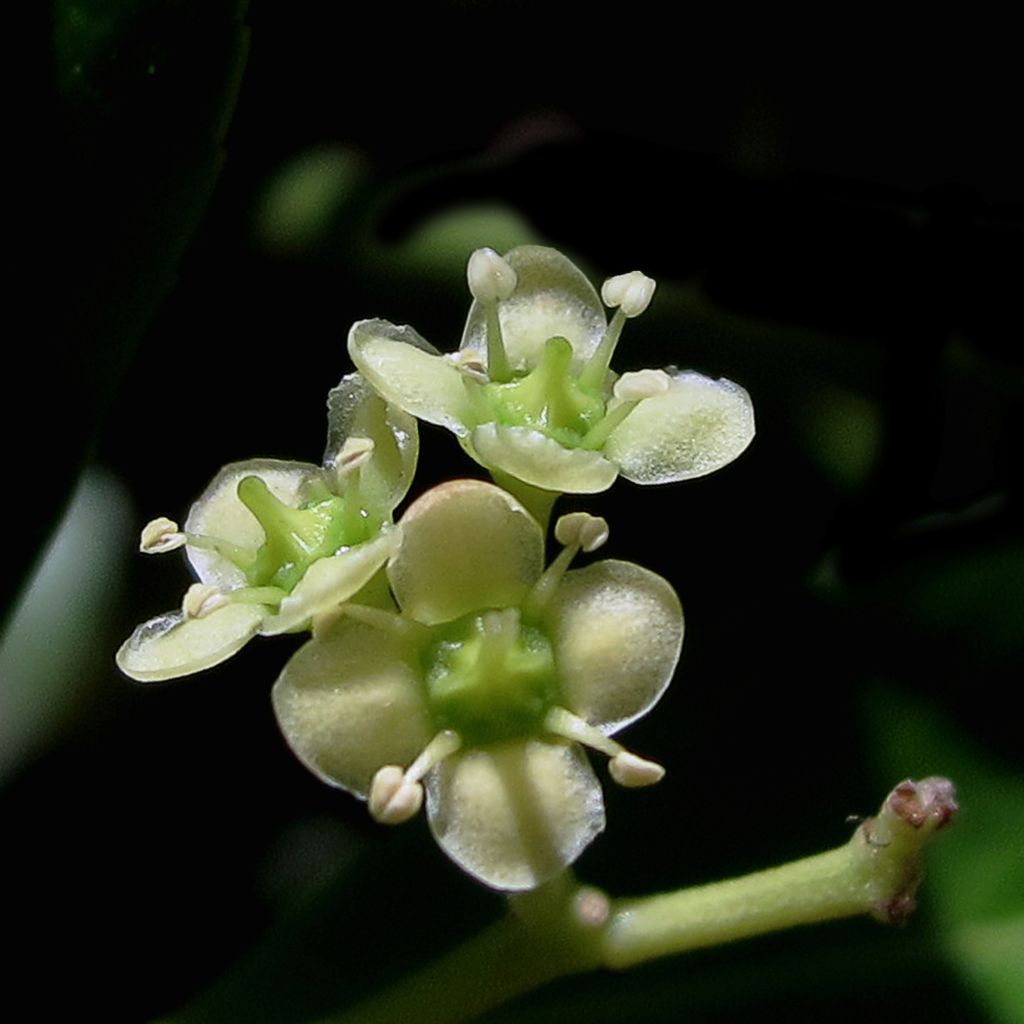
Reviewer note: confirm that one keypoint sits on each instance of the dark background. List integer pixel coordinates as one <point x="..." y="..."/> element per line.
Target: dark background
<point x="831" y="209"/>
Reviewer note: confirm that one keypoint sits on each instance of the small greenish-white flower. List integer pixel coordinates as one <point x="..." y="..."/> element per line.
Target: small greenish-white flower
<point x="476" y="699"/>
<point x="531" y="394"/>
<point x="277" y="543"/>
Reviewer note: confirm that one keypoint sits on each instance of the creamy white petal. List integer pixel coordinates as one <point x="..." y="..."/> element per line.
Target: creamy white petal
<point x="354" y="409"/>
<point x="466" y="546"/>
<point x="170" y="645"/>
<point x="539" y="460"/>
<point x="218" y="513"/>
<point x="696" y="427"/>
<point x="410" y="373"/>
<point x="617" y="630"/>
<point x="350" y="702"/>
<point x="552" y="298"/>
<point x="330" y="581"/>
<point x="517" y="814"/>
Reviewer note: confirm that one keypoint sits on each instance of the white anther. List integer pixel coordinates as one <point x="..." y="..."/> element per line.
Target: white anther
<point x="469" y="362"/>
<point x="631" y="771"/>
<point x="392" y="799"/>
<point x="631" y="292"/>
<point x="200" y="599"/>
<point x="640" y="384"/>
<point x="159" y="535"/>
<point x="581" y="528"/>
<point x="354" y="453"/>
<point x="490" y="277"/>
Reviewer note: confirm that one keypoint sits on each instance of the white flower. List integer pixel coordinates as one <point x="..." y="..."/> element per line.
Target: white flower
<point x="530" y="392"/>
<point x="478" y="696"/>
<point x="274" y="544"/>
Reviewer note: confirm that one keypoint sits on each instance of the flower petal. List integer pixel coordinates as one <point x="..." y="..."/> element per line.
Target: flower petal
<point x="330" y="581"/>
<point x="354" y="409"/>
<point x="350" y="702"/>
<point x="170" y="645"/>
<point x="466" y="546"/>
<point x="539" y="460"/>
<point x="517" y="814"/>
<point x="218" y="513"/>
<point x="410" y="373"/>
<point x="552" y="299"/>
<point x="694" y="428"/>
<point x="617" y="630"/>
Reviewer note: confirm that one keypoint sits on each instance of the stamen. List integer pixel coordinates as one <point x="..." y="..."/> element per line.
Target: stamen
<point x="468" y="362"/>
<point x="355" y="452"/>
<point x="397" y="795"/>
<point x="626" y="768"/>
<point x="594" y="373"/>
<point x="443" y="745"/>
<point x="641" y="384"/>
<point x="160" y="535"/>
<point x="392" y="800"/>
<point x="582" y="529"/>
<point x="631" y="292"/>
<point x="577" y="531"/>
<point x="491" y="280"/>
<point x="571" y="727"/>
<point x="631" y="771"/>
<point x="200" y="599"/>
<point x="630" y="389"/>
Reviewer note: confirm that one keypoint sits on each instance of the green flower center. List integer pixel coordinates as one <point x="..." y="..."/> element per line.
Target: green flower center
<point x="490" y="677"/>
<point x="297" y="537"/>
<point x="547" y="398"/>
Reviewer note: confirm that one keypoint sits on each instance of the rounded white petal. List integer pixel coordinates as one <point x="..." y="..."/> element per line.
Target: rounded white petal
<point x="552" y="298"/>
<point x="330" y="581"/>
<point x="349" y="703"/>
<point x="539" y="460"/>
<point x="517" y="814"/>
<point x="410" y="373"/>
<point x="218" y="513"/>
<point x="354" y="409"/>
<point x="617" y="630"/>
<point x="466" y="546"/>
<point x="170" y="645"/>
<point x="694" y="428"/>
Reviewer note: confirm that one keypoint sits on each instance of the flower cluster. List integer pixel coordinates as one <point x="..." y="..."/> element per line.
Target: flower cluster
<point x="449" y="664"/>
<point x="531" y="394"/>
<point x="276" y="543"/>
<point x="486" y="683"/>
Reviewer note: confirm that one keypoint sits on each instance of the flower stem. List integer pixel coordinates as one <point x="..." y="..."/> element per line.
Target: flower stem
<point x="563" y="928"/>
<point x="876" y="872"/>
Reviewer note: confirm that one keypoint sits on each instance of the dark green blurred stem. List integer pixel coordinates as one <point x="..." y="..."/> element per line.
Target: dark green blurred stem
<point x="544" y="936"/>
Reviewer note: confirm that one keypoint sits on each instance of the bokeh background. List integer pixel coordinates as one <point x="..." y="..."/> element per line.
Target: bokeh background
<point x="832" y="211"/>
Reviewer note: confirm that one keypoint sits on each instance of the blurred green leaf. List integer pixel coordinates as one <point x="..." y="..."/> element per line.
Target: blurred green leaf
<point x="975" y="874"/>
